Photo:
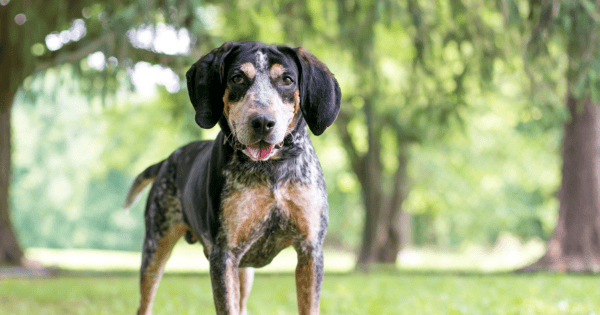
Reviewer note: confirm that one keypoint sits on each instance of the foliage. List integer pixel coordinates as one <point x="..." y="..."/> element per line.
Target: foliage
<point x="378" y="293"/>
<point x="75" y="163"/>
<point x="500" y="172"/>
<point x="446" y="89"/>
<point x="63" y="195"/>
<point x="571" y="27"/>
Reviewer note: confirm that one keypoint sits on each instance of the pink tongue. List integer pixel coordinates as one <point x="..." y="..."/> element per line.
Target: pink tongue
<point x="259" y="152"/>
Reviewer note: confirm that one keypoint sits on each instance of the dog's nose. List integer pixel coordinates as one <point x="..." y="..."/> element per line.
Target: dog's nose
<point x="263" y="123"/>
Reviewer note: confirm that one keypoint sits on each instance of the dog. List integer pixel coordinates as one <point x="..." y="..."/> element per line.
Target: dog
<point x="258" y="187"/>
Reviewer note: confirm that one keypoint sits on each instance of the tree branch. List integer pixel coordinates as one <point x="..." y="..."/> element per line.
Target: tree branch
<point x="399" y="180"/>
<point x="64" y="57"/>
<point x="98" y="44"/>
<point x="403" y="134"/>
<point x="153" y="57"/>
<point x="356" y="160"/>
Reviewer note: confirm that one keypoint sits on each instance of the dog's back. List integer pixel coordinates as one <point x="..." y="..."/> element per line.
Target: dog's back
<point x="183" y="158"/>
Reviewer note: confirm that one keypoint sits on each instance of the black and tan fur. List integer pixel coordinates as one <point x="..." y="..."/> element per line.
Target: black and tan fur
<point x="258" y="187"/>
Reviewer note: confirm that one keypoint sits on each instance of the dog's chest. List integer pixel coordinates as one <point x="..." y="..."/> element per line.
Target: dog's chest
<point x="260" y="221"/>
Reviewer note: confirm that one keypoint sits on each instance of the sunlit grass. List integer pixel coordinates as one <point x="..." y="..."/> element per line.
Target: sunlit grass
<point x="508" y="254"/>
<point x="378" y="293"/>
<point x="106" y="282"/>
<point x="185" y="258"/>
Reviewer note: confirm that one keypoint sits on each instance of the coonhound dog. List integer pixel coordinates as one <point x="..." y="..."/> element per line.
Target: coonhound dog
<point x="258" y="187"/>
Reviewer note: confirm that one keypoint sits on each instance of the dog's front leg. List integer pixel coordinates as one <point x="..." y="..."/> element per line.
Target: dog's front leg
<point x="309" y="277"/>
<point x="225" y="281"/>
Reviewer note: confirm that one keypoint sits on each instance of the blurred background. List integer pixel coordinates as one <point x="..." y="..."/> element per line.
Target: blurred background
<point x="447" y="153"/>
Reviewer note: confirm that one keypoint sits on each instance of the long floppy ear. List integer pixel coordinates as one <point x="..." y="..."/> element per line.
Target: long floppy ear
<point x="206" y="85"/>
<point x="320" y="93"/>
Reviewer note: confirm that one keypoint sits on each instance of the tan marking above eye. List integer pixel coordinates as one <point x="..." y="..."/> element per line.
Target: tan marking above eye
<point x="276" y="71"/>
<point x="249" y="69"/>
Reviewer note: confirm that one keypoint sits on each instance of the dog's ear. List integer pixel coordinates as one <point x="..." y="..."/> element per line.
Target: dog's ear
<point x="206" y="85"/>
<point x="320" y="93"/>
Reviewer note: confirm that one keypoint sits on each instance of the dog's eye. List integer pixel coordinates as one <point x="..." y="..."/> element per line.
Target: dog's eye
<point x="287" y="80"/>
<point x="237" y="79"/>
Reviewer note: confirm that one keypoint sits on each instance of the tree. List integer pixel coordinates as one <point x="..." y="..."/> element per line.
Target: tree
<point x="434" y="48"/>
<point x="38" y="35"/>
<point x="17" y="37"/>
<point x="575" y="26"/>
<point x="381" y="238"/>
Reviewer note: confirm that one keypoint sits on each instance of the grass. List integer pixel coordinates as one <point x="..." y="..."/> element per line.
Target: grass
<point x="508" y="254"/>
<point x="105" y="282"/>
<point x="379" y="293"/>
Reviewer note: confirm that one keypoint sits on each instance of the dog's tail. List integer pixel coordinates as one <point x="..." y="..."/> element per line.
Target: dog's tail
<point x="141" y="181"/>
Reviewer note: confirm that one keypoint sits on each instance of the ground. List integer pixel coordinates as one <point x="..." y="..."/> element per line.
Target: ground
<point x="380" y="293"/>
<point x="104" y="282"/>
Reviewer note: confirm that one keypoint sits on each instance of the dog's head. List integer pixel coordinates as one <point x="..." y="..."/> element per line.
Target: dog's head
<point x="263" y="92"/>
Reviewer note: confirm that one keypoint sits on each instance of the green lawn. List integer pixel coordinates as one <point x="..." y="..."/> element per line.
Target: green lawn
<point x="106" y="282"/>
<point x="379" y="293"/>
<point x="508" y="254"/>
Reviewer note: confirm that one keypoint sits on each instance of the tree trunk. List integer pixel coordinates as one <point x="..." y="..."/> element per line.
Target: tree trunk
<point x="10" y="251"/>
<point x="382" y="234"/>
<point x="371" y="181"/>
<point x="575" y="244"/>
<point x="393" y="224"/>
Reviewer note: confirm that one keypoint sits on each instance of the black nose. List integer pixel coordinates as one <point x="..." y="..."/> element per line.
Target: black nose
<point x="263" y="123"/>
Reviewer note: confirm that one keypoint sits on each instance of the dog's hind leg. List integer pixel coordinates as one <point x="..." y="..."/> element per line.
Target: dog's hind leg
<point x="246" y="276"/>
<point x="155" y="255"/>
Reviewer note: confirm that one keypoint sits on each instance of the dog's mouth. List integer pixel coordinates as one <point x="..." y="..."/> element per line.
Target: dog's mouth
<point x="262" y="150"/>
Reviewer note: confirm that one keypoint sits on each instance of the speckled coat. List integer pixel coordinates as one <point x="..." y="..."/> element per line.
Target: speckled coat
<point x="244" y="209"/>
